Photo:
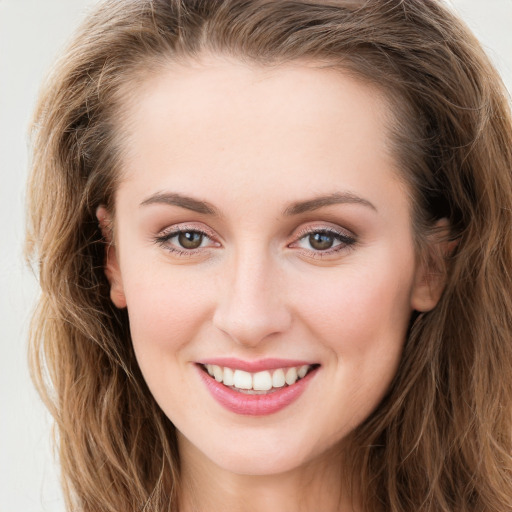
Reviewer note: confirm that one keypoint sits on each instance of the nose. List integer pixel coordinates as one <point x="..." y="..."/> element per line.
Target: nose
<point x="251" y="303"/>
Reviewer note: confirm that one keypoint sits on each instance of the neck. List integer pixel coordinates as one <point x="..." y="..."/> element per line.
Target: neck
<point x="316" y="486"/>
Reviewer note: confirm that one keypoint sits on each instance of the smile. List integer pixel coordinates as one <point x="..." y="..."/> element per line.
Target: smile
<point x="256" y="393"/>
<point x="259" y="382"/>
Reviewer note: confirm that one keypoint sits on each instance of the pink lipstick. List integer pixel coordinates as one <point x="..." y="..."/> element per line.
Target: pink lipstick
<point x="256" y="388"/>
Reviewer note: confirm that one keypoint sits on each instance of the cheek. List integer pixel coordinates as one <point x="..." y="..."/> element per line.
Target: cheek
<point x="359" y="305"/>
<point x="361" y="317"/>
<point x="166" y="310"/>
<point x="362" y="320"/>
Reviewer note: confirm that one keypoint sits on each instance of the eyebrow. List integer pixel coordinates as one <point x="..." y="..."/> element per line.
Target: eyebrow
<point x="182" y="201"/>
<point x="189" y="203"/>
<point x="328" y="200"/>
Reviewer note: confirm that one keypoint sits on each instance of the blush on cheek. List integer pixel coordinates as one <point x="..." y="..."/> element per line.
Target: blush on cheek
<point x="357" y="312"/>
<point x="162" y="326"/>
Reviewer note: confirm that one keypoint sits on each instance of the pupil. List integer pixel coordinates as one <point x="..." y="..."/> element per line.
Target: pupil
<point x="321" y="241"/>
<point x="190" y="239"/>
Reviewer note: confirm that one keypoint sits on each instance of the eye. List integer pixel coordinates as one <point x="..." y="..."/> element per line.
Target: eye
<point x="189" y="239"/>
<point x="323" y="241"/>
<point x="185" y="241"/>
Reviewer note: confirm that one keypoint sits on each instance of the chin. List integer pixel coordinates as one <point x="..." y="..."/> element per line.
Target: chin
<point x="267" y="465"/>
<point x="266" y="454"/>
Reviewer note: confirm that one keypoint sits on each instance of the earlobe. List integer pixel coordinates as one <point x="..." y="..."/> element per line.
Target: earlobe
<point x="427" y="292"/>
<point x="431" y="274"/>
<point x="111" y="263"/>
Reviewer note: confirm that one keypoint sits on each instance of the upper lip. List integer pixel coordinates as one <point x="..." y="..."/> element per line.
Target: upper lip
<point x="255" y="365"/>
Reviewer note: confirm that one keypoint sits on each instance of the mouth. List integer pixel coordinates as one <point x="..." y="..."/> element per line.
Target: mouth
<point x="256" y="393"/>
<point x="258" y="383"/>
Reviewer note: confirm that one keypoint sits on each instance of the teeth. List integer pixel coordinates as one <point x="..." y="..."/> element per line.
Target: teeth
<point x="242" y="380"/>
<point x="262" y="381"/>
<point x="278" y="380"/>
<point x="228" y="377"/>
<point x="218" y="373"/>
<point x="302" y="371"/>
<point x="291" y="376"/>
<point x="259" y="381"/>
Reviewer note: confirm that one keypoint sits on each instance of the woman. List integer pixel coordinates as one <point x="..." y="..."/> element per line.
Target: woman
<point x="274" y="246"/>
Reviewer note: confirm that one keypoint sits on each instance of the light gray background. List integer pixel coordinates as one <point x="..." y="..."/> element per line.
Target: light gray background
<point x="31" y="33"/>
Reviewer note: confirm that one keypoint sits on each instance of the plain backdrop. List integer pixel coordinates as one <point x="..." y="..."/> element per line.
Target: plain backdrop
<point x="31" y="34"/>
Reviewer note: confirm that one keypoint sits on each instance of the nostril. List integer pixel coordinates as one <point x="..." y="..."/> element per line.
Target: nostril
<point x="250" y="327"/>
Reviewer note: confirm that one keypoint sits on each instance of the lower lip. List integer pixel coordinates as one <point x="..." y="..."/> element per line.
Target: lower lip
<point x="255" y="405"/>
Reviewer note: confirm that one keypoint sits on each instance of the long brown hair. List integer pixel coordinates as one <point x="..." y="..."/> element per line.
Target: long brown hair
<point x="441" y="440"/>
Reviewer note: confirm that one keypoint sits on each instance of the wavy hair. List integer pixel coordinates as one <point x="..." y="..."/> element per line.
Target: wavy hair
<point x="441" y="440"/>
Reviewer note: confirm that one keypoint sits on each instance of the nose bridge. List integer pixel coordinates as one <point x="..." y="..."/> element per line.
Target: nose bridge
<point x="252" y="304"/>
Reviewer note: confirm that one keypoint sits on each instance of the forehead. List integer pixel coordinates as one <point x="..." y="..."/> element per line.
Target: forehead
<point x="213" y="86"/>
<point x="225" y="122"/>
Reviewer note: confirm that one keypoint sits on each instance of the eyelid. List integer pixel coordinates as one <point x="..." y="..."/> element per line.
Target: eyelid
<point x="187" y="226"/>
<point x="316" y="228"/>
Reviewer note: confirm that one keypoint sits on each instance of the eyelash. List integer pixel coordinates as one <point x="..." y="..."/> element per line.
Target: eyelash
<point x="345" y="241"/>
<point x="164" y="239"/>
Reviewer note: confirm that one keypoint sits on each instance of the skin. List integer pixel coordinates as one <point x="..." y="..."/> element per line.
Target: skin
<point x="252" y="142"/>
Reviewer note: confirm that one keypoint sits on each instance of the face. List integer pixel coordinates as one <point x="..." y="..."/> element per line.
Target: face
<point x="263" y="236"/>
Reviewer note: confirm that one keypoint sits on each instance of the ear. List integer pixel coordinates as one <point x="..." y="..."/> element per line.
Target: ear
<point x="430" y="277"/>
<point x="111" y="263"/>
